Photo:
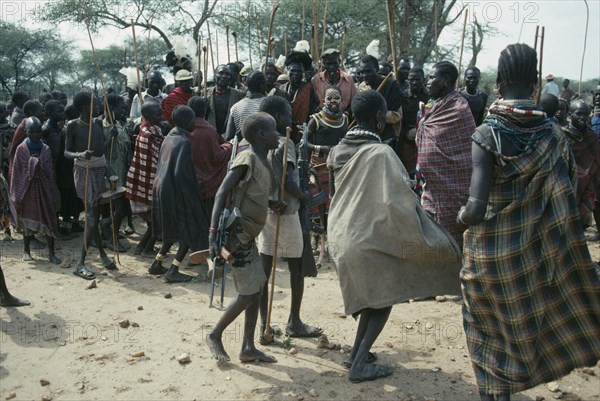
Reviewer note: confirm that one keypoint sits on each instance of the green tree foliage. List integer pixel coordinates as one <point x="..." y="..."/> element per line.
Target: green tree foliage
<point x="31" y="57"/>
<point x="364" y="20"/>
<point x="165" y="17"/>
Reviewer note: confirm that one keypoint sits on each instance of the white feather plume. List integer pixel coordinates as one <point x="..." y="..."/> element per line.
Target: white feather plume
<point x="184" y="47"/>
<point x="373" y="48"/>
<point x="302" y="46"/>
<point x="131" y="74"/>
<point x="280" y="61"/>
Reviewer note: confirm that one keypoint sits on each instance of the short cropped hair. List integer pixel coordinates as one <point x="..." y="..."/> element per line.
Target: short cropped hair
<point x="254" y="123"/>
<point x="366" y="104"/>
<point x="274" y="104"/>
<point x="448" y="71"/>
<point x="149" y="106"/>
<point x="51" y="105"/>
<point x="19" y="98"/>
<point x="549" y="104"/>
<point x="181" y="114"/>
<point x="198" y="104"/>
<point x="31" y="107"/>
<point x="81" y="100"/>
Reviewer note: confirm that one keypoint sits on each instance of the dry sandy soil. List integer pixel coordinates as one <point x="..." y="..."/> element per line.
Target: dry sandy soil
<point x="68" y="345"/>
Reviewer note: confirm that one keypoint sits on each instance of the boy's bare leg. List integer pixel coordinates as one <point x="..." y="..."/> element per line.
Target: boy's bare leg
<point x="249" y="352"/>
<point x="214" y="338"/>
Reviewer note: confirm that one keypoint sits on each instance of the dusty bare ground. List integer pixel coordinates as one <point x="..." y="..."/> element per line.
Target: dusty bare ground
<point x="69" y="344"/>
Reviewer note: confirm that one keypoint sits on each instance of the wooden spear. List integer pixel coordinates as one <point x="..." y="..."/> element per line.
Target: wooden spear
<point x="539" y="88"/>
<point x="137" y="65"/>
<point x="227" y="35"/>
<point x="303" y="17"/>
<point x="199" y="51"/>
<point x="273" y="11"/>
<point x="237" y="58"/>
<point x="587" y="21"/>
<point x="267" y="333"/>
<point x="462" y="46"/>
<point x="205" y="50"/>
<point x="324" y="25"/>
<point x="258" y="39"/>
<point x="435" y="27"/>
<point x="390" y="8"/>
<point x="146" y="69"/>
<point x="344" y="45"/>
<point x="210" y="49"/>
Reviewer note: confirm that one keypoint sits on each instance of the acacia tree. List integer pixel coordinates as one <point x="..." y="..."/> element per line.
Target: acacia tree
<point x="165" y="17"/>
<point x="31" y="56"/>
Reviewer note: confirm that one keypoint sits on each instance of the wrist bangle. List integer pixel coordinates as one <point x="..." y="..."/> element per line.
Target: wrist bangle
<point x="212" y="230"/>
<point x="460" y="217"/>
<point x="318" y="149"/>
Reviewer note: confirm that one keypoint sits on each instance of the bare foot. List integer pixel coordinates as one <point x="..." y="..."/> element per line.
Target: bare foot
<point x="26" y="257"/>
<point x="9" y="300"/>
<point x="251" y="355"/>
<point x="54" y="259"/>
<point x="216" y="347"/>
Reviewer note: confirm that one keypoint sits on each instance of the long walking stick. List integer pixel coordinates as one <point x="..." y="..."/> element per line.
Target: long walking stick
<point x="344" y="45"/>
<point x="237" y="58"/>
<point x="210" y="49"/>
<point x="273" y="11"/>
<point x="205" y="50"/>
<point x="267" y="332"/>
<point x="146" y="69"/>
<point x="137" y="65"/>
<point x="462" y="46"/>
<point x="324" y="25"/>
<point x="198" y="80"/>
<point x="111" y="122"/>
<point x="227" y="34"/>
<point x="390" y="8"/>
<point x="381" y="85"/>
<point x="587" y="21"/>
<point x="538" y="92"/>
<point x="436" y="12"/>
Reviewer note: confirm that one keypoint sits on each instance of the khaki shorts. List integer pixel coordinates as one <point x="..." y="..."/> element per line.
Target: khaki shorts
<point x="246" y="268"/>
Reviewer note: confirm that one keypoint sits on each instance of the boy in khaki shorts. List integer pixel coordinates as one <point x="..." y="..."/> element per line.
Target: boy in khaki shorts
<point x="248" y="182"/>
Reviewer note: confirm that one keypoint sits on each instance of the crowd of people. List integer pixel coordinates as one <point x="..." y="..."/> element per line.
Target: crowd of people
<point x="432" y="189"/>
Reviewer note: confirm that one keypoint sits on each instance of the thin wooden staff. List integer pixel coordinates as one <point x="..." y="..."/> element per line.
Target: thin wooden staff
<point x="217" y="45"/>
<point x="587" y="21"/>
<point x="435" y="28"/>
<point x="199" y="47"/>
<point x="303" y="17"/>
<point x="210" y="49"/>
<point x="111" y="122"/>
<point x="317" y="17"/>
<point x="273" y="11"/>
<point x="381" y="85"/>
<point x="324" y="25"/>
<point x="137" y="65"/>
<point x="237" y="58"/>
<point x="146" y="69"/>
<point x="258" y="39"/>
<point x="344" y="45"/>
<point x="537" y="34"/>
<point x="390" y="8"/>
<point x="227" y="34"/>
<point x="462" y="46"/>
<point x="539" y="88"/>
<point x="267" y="332"/>
<point x="285" y="43"/>
<point x="313" y="46"/>
<point x="205" y="50"/>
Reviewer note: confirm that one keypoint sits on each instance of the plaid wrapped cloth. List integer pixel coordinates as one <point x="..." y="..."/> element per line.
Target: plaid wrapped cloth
<point x="444" y="160"/>
<point x="531" y="295"/>
<point x="140" y="177"/>
<point x="33" y="190"/>
<point x="94" y="171"/>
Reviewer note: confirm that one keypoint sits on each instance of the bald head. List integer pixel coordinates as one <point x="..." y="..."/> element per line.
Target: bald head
<point x="579" y="105"/>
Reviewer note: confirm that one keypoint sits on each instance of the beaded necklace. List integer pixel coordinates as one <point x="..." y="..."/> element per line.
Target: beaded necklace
<point x="359" y="131"/>
<point x="83" y="122"/>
